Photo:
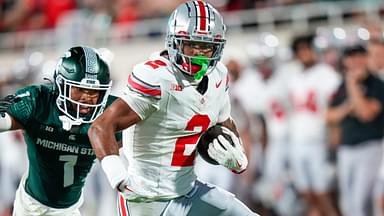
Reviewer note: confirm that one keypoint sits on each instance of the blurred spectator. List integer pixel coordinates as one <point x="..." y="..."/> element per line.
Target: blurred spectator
<point x="376" y="57"/>
<point x="276" y="182"/>
<point x="35" y="14"/>
<point x="376" y="64"/>
<point x="156" y="9"/>
<point x="90" y="24"/>
<point x="125" y="11"/>
<point x="309" y="91"/>
<point x="242" y="183"/>
<point x="261" y="92"/>
<point x="331" y="56"/>
<point x="253" y="129"/>
<point x="223" y="177"/>
<point x="357" y="108"/>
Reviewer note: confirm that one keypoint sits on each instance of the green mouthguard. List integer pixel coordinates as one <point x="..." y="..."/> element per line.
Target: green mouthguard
<point x="203" y="62"/>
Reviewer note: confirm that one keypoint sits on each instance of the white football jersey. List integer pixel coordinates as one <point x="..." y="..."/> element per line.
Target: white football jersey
<point x="309" y="93"/>
<point x="266" y="97"/>
<point x="161" y="148"/>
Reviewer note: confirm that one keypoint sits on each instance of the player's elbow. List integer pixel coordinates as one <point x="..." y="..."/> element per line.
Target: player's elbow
<point x="95" y="129"/>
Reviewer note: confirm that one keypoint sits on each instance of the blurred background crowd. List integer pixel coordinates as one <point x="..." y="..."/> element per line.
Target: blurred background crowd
<point x="314" y="141"/>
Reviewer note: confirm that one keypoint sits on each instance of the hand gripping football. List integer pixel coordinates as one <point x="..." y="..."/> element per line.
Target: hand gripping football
<point x="206" y="138"/>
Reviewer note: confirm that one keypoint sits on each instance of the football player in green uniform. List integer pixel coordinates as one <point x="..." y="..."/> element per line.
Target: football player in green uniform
<point x="55" y="119"/>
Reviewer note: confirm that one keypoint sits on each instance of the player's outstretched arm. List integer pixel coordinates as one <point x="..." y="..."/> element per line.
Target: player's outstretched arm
<point x="115" y="118"/>
<point x="101" y="134"/>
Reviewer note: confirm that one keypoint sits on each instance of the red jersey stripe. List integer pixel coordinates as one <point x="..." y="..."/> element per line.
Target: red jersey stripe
<point x="143" y="89"/>
<point x="123" y="207"/>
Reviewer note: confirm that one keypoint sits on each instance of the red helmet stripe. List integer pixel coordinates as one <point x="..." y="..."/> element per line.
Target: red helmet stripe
<point x="203" y="16"/>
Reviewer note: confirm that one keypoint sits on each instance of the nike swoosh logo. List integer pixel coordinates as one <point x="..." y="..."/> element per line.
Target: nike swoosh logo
<point x="218" y="84"/>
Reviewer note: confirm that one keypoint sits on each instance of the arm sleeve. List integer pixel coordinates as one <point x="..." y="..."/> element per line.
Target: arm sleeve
<point x="143" y="92"/>
<point x="24" y="109"/>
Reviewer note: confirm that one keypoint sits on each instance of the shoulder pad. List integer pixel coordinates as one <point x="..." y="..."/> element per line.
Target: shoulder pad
<point x="146" y="77"/>
<point x="33" y="91"/>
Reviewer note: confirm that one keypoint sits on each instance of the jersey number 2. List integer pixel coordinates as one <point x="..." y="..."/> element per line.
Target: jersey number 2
<point x="69" y="172"/>
<point x="181" y="156"/>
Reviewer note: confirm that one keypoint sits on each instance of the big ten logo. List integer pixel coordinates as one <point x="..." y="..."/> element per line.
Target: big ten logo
<point x="48" y="128"/>
<point x="176" y="87"/>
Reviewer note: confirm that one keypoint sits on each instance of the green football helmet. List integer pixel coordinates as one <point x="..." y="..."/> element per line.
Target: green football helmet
<point x="81" y="67"/>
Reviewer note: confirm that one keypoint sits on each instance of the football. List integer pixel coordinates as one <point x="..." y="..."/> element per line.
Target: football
<point x="206" y="138"/>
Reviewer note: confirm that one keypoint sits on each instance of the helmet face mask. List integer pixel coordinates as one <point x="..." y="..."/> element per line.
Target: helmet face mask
<point x="82" y="70"/>
<point x="197" y="25"/>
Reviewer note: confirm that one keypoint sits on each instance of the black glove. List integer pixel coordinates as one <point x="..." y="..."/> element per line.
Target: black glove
<point x="6" y="102"/>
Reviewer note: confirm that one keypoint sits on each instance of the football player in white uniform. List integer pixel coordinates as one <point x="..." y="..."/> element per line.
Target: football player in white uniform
<point x="169" y="101"/>
<point x="310" y="90"/>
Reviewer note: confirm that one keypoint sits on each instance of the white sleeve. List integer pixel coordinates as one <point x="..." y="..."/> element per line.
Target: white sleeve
<point x="143" y="106"/>
<point x="143" y="92"/>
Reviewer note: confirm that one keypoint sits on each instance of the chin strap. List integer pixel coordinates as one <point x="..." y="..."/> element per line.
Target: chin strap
<point x="68" y="123"/>
<point x="202" y="61"/>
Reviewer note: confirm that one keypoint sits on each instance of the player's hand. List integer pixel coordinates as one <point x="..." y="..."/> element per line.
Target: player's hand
<point x="6" y="102"/>
<point x="231" y="157"/>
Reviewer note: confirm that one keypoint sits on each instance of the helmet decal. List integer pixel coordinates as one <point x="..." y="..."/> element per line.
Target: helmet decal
<point x="201" y="17"/>
<point x="90" y="63"/>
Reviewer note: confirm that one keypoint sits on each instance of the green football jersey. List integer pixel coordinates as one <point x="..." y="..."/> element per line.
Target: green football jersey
<point x="59" y="160"/>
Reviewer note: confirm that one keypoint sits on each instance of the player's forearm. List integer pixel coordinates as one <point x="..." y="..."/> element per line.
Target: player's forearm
<point x="107" y="151"/>
<point x="103" y="140"/>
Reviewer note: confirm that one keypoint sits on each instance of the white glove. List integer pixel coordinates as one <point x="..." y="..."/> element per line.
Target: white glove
<point x="231" y="157"/>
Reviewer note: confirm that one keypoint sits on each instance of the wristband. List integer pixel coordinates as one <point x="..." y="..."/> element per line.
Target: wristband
<point x="5" y="122"/>
<point x="114" y="169"/>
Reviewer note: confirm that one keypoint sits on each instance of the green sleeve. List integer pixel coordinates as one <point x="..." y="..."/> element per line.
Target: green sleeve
<point x="24" y="109"/>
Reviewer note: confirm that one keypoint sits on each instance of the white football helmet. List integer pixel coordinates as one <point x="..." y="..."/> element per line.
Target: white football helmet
<point x="195" y="22"/>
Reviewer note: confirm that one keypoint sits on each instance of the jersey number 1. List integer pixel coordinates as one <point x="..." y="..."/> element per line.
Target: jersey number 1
<point x="69" y="172"/>
<point x="181" y="156"/>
